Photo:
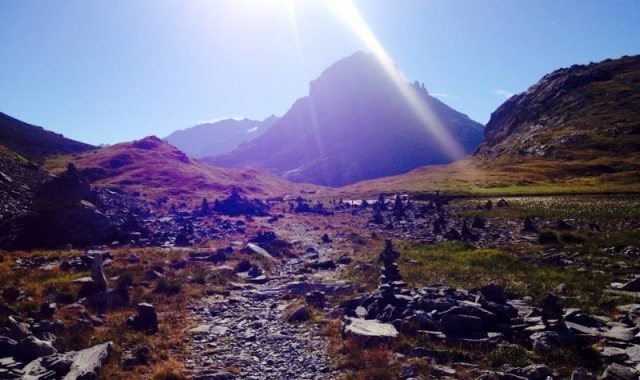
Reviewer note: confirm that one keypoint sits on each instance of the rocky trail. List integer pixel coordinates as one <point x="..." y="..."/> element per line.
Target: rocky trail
<point x="247" y="335"/>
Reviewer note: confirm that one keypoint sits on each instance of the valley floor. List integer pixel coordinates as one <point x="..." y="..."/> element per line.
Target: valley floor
<point x="520" y="287"/>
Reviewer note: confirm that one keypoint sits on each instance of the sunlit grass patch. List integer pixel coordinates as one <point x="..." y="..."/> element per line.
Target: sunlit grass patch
<point x="460" y="265"/>
<point x="603" y="207"/>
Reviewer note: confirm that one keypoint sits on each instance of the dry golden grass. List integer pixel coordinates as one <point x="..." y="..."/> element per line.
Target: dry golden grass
<point x="476" y="176"/>
<point x="167" y="346"/>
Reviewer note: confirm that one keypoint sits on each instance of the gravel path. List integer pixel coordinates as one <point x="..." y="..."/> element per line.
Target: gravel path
<point x="246" y="333"/>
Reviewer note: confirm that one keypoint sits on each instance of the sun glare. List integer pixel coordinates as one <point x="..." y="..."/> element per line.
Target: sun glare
<point x="350" y="15"/>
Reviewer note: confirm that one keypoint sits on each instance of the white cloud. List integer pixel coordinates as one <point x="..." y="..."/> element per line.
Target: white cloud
<point x="251" y="130"/>
<point x="504" y="93"/>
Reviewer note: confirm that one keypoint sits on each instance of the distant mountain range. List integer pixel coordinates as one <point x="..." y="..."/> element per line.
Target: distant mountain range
<point x="360" y="120"/>
<point x="222" y="136"/>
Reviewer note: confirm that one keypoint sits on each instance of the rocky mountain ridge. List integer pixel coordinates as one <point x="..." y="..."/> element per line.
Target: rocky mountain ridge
<point x="578" y="113"/>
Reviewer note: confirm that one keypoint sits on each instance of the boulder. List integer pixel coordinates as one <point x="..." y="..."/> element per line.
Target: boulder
<point x="316" y="299"/>
<point x="463" y="326"/>
<point x="145" y="320"/>
<point x="494" y="293"/>
<point x="31" y="348"/>
<point x="87" y="363"/>
<point x="326" y="264"/>
<point x="301" y="314"/>
<point x="632" y="286"/>
<point x="619" y="372"/>
<point x="545" y="341"/>
<point x="534" y="372"/>
<point x="7" y="347"/>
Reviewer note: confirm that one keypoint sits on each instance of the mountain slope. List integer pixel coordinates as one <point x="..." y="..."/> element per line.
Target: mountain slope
<point x="154" y="169"/>
<point x="211" y="139"/>
<point x="356" y="124"/>
<point x="577" y="113"/>
<point x="19" y="179"/>
<point x="35" y="143"/>
<point x="576" y="130"/>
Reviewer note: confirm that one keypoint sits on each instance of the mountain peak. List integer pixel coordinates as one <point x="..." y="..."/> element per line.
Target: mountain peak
<point x="356" y="123"/>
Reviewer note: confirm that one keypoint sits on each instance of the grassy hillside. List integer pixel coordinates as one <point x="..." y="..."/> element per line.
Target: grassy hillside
<point x="155" y="169"/>
<point x="476" y="176"/>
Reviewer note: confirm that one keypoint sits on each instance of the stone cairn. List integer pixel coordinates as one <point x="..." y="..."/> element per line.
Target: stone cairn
<point x="390" y="272"/>
<point x="391" y="284"/>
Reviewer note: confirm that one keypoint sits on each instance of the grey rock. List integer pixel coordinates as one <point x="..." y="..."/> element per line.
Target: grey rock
<point x="7" y="346"/>
<point x="97" y="273"/>
<point x="87" y="363"/>
<point x="146" y="319"/>
<point x="369" y="328"/>
<point x="632" y="286"/>
<point x="301" y="314"/>
<point x="545" y="341"/>
<point x="462" y="326"/>
<point x="619" y="372"/>
<point x="31" y="348"/>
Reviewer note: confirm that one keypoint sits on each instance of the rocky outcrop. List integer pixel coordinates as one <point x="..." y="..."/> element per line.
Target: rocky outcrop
<point x="578" y="113"/>
<point x="64" y="214"/>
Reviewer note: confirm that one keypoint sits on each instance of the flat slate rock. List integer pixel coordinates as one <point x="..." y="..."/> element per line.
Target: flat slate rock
<point x="260" y="251"/>
<point x="370" y="328"/>
<point x="88" y="362"/>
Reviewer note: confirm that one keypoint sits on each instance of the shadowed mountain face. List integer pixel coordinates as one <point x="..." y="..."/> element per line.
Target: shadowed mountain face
<point x="35" y="143"/>
<point x="223" y="136"/>
<point x="22" y="148"/>
<point x="356" y="124"/>
<point x="579" y="113"/>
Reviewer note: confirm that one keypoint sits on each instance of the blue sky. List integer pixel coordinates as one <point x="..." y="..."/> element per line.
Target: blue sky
<point x="110" y="71"/>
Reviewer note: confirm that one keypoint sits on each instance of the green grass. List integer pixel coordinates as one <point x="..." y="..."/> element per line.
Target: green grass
<point x="460" y="265"/>
<point x="601" y="207"/>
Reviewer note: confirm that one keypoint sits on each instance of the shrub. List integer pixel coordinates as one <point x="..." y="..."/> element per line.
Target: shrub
<point x="168" y="286"/>
<point x="508" y="354"/>
<point x="547" y="237"/>
<point x="571" y="238"/>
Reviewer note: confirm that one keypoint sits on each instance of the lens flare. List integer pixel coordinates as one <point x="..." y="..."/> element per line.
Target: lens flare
<point x="348" y="12"/>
